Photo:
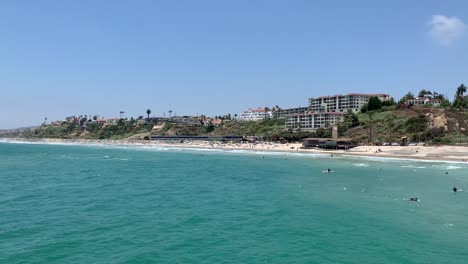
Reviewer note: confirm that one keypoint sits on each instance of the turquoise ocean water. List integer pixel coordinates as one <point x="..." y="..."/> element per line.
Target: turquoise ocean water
<point x="96" y="204"/>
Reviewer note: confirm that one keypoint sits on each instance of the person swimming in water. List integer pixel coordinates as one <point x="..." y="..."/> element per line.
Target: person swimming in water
<point x="455" y="189"/>
<point x="415" y="199"/>
<point x="328" y="170"/>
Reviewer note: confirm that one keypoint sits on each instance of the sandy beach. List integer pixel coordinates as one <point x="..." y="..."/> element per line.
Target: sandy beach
<point x="436" y="153"/>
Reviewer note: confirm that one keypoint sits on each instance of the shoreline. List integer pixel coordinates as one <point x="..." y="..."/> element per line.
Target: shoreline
<point x="457" y="154"/>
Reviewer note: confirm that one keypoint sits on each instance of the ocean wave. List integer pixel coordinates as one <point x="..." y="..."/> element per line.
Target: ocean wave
<point x="239" y="151"/>
<point x="413" y="166"/>
<point x="452" y="167"/>
<point x="399" y="159"/>
<point x="361" y="165"/>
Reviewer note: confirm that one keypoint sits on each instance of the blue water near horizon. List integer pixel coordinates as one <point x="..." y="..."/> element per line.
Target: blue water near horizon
<point x="99" y="204"/>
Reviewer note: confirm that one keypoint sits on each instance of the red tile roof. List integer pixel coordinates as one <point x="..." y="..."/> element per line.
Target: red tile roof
<point x="258" y="110"/>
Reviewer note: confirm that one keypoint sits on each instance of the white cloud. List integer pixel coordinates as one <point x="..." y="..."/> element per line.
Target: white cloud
<point x="446" y="30"/>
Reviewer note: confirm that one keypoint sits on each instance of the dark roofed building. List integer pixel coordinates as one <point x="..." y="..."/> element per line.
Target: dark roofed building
<point x="329" y="143"/>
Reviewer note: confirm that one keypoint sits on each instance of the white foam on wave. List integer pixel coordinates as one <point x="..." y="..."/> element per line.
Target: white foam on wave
<point x="274" y="153"/>
<point x="393" y="159"/>
<point x="9" y="141"/>
<point x="452" y="167"/>
<point x="361" y="165"/>
<point x="240" y="151"/>
<point x="413" y="166"/>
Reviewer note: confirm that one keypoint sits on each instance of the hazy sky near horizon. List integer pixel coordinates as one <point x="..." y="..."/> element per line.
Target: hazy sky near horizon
<point x="62" y="58"/>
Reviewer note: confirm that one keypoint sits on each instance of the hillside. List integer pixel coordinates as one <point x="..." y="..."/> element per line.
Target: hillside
<point x="268" y="129"/>
<point x="416" y="124"/>
<point x="435" y="125"/>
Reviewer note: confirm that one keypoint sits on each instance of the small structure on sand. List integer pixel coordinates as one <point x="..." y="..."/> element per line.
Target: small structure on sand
<point x="329" y="143"/>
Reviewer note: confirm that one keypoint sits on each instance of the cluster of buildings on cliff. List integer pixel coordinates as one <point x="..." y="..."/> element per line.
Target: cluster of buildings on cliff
<point x="322" y="112"/>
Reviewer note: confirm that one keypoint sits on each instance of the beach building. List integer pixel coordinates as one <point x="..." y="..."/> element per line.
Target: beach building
<point x="342" y="103"/>
<point x="255" y="114"/>
<point x="328" y="143"/>
<point x="313" y="120"/>
<point x="282" y="113"/>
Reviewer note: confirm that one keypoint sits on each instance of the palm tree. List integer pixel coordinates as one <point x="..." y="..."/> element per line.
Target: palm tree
<point x="235" y="116"/>
<point x="459" y="100"/>
<point x="461" y="90"/>
<point x="148" y="112"/>
<point x="170" y="112"/>
<point x="369" y="124"/>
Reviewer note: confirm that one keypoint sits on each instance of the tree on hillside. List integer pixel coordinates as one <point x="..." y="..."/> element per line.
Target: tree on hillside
<point x="461" y="90"/>
<point x="424" y="93"/>
<point x="409" y="95"/>
<point x="369" y="124"/>
<point x="417" y="125"/>
<point x="391" y="126"/>
<point x="364" y="108"/>
<point x="148" y="112"/>
<point x="459" y="101"/>
<point x="445" y="103"/>
<point x="170" y="112"/>
<point x="436" y="95"/>
<point x="389" y="102"/>
<point x="235" y="116"/>
<point x="406" y="97"/>
<point x="350" y="119"/>
<point x="374" y="104"/>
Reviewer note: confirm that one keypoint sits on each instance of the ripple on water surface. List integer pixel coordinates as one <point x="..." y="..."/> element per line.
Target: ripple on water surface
<point x="73" y="204"/>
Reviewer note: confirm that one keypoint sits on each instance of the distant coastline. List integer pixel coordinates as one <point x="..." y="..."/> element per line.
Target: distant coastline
<point x="427" y="153"/>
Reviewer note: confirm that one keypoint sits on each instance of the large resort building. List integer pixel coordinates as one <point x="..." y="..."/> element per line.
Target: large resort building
<point x="313" y="120"/>
<point x="282" y="113"/>
<point x="326" y="111"/>
<point x="341" y="103"/>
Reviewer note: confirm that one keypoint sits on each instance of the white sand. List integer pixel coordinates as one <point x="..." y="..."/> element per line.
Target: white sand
<point x="442" y="153"/>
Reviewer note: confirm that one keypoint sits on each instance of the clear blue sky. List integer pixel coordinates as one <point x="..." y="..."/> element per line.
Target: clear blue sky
<point x="60" y="58"/>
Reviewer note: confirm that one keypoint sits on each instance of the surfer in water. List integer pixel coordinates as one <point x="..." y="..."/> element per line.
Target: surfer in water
<point x="455" y="189"/>
<point x="414" y="199"/>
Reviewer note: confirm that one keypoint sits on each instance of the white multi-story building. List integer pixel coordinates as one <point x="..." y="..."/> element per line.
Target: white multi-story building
<point x="313" y="120"/>
<point x="282" y="113"/>
<point x="342" y="103"/>
<point x="255" y="114"/>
